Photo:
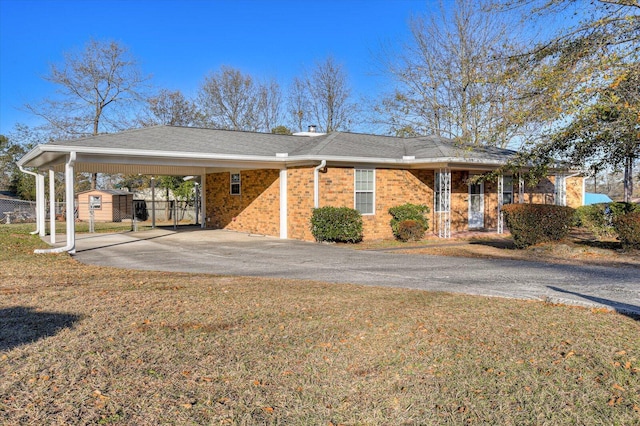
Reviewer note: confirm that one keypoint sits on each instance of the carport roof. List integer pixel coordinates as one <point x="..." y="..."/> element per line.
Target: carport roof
<point x="189" y="150"/>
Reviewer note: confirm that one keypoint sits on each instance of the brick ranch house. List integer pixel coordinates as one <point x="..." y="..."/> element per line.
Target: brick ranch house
<point x="269" y="184"/>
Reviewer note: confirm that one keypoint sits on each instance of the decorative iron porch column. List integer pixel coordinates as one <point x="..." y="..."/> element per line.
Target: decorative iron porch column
<point x="500" y="203"/>
<point x="560" y="189"/>
<point x="520" y="190"/>
<point x="443" y="202"/>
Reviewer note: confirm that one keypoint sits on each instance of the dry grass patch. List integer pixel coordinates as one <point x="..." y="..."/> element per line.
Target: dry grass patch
<point x="580" y="248"/>
<point x="90" y="345"/>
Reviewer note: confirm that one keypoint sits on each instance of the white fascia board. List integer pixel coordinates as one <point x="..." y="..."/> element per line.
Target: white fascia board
<point x="136" y="156"/>
<point x="30" y="155"/>
<point x="417" y="163"/>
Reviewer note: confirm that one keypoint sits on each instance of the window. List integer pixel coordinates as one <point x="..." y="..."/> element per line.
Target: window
<point x="507" y="190"/>
<point x="95" y="202"/>
<point x="365" y="191"/>
<point x="235" y="184"/>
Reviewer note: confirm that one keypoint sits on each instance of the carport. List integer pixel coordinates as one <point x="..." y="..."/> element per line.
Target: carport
<point x="156" y="151"/>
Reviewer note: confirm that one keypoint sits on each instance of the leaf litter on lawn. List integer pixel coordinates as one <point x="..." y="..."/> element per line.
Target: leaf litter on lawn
<point x="157" y="348"/>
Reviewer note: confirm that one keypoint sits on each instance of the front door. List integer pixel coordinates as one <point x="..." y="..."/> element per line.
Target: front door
<point x="476" y="205"/>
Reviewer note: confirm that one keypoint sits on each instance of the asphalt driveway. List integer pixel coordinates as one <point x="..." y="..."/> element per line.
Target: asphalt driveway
<point x="230" y="253"/>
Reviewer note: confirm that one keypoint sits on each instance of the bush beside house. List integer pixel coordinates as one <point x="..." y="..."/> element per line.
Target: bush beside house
<point x="337" y="224"/>
<point x="408" y="221"/>
<point x="531" y="224"/>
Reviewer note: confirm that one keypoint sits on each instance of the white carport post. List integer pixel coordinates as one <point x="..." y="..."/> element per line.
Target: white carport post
<point x="52" y="206"/>
<point x="39" y="200"/>
<point x="500" y="203"/>
<point x="70" y="247"/>
<point x="41" y="215"/>
<point x="153" y="202"/>
<point x="283" y="204"/>
<point x="203" y="205"/>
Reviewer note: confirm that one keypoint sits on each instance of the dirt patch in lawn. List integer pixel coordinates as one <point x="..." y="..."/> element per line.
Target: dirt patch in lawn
<point x="579" y="248"/>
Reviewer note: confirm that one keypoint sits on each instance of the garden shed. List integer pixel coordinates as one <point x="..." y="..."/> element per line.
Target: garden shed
<point x="107" y="205"/>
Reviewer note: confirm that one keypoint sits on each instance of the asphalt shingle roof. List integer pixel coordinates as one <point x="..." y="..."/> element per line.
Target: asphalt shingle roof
<point x="336" y="144"/>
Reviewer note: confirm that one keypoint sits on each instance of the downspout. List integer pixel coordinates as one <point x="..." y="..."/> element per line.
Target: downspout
<point x="39" y="200"/>
<point x="70" y="210"/>
<point x="316" y="184"/>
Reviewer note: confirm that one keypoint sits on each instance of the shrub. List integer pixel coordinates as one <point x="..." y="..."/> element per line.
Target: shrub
<point x="337" y="224"/>
<point x="410" y="230"/>
<point x="595" y="218"/>
<point x="414" y="212"/>
<point x="622" y="208"/>
<point x="598" y="218"/>
<point x="535" y="223"/>
<point x="628" y="228"/>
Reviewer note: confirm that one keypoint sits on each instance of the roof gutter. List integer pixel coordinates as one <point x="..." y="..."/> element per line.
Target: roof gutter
<point x="70" y="210"/>
<point x="316" y="184"/>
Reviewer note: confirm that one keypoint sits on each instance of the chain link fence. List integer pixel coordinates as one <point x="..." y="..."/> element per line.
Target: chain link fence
<point x="137" y="214"/>
<point x="17" y="211"/>
<point x="97" y="215"/>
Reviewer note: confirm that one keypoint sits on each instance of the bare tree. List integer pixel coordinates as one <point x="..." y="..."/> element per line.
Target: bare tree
<point x="450" y="79"/>
<point x="89" y="82"/>
<point x="229" y="99"/>
<point x="298" y="105"/>
<point x="270" y="103"/>
<point x="169" y="108"/>
<point x="329" y="96"/>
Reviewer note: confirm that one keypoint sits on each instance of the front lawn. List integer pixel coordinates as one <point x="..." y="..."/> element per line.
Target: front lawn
<point x="91" y="345"/>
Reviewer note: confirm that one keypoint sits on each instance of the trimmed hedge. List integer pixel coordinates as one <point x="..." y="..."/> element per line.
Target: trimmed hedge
<point x="337" y="224"/>
<point x="598" y="218"/>
<point x="408" y="211"/>
<point x="531" y="224"/>
<point x="410" y="230"/>
<point x="628" y="228"/>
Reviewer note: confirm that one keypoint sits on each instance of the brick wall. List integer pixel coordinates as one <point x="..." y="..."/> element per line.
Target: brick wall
<point x="574" y="191"/>
<point x="544" y="191"/>
<point x="255" y="210"/>
<point x="300" y="202"/>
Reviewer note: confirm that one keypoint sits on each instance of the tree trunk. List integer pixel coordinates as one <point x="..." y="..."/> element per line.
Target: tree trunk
<point x="628" y="179"/>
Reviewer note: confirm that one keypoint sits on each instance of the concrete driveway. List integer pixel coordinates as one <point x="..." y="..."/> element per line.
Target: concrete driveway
<point x="231" y="253"/>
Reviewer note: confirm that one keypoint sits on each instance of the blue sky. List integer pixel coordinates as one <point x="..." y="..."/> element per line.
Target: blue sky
<point x="179" y="42"/>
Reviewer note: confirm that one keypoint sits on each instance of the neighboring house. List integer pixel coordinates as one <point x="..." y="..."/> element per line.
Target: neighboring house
<point x="106" y="205"/>
<point x="269" y="184"/>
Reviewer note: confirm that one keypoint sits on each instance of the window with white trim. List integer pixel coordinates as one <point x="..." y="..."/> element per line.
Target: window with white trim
<point x="365" y="190"/>
<point x="235" y="184"/>
<point x="507" y="189"/>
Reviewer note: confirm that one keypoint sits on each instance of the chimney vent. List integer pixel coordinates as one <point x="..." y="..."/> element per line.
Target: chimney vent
<point x="312" y="128"/>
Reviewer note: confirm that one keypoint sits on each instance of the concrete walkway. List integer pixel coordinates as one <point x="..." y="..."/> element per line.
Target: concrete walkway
<point x="231" y="253"/>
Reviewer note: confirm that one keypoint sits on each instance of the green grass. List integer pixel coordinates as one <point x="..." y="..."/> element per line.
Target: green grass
<point x="91" y="345"/>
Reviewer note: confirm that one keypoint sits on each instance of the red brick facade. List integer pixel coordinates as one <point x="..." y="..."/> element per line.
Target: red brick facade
<point x="257" y="208"/>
